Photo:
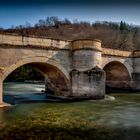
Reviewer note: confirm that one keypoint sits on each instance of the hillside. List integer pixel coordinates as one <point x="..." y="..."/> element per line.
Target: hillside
<point x="113" y="35"/>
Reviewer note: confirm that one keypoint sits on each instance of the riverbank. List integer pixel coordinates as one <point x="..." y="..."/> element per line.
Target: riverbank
<point x="86" y="120"/>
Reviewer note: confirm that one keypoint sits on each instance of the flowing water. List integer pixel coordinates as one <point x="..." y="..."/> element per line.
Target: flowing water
<point x="16" y="93"/>
<point x="123" y="112"/>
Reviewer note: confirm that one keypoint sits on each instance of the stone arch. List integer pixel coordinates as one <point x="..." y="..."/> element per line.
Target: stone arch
<point x="117" y="75"/>
<point x="58" y="77"/>
<point x="126" y="62"/>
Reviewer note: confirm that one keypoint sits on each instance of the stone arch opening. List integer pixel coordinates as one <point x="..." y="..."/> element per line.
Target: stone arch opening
<point x="117" y="77"/>
<point x="56" y="79"/>
<point x="24" y="84"/>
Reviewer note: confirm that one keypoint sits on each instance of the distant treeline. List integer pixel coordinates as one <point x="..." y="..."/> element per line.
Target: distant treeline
<point x="25" y="73"/>
<point x="113" y="35"/>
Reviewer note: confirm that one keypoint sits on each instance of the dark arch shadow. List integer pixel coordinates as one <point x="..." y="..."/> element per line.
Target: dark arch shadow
<point x="55" y="81"/>
<point x="117" y="77"/>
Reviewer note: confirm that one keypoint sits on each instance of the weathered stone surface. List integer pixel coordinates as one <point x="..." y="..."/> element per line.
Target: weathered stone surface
<point x="86" y="44"/>
<point x="86" y="59"/>
<point x="1" y="91"/>
<point x="25" y="41"/>
<point x="136" y="54"/>
<point x="90" y="83"/>
<point x="135" y="84"/>
<point x="57" y="58"/>
<point x="114" y="52"/>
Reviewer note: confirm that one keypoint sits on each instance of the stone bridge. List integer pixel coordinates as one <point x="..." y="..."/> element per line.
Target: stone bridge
<point x="71" y="68"/>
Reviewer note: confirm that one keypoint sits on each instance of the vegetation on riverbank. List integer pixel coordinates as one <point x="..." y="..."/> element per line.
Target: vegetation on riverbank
<point x="73" y="121"/>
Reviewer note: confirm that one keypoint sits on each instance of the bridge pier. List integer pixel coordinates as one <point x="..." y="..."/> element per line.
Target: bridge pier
<point x="2" y="104"/>
<point x="87" y="78"/>
<point x="1" y="92"/>
<point x="136" y="81"/>
<point x="136" y="71"/>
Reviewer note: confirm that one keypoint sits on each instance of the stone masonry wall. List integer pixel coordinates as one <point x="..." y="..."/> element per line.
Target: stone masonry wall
<point x="80" y="61"/>
<point x="90" y="83"/>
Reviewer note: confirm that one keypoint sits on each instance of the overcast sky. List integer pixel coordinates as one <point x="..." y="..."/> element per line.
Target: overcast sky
<point x="17" y="12"/>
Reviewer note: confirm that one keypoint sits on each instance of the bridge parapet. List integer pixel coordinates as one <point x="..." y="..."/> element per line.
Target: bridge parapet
<point x="32" y="41"/>
<point x="136" y="53"/>
<point x="16" y="40"/>
<point x="114" y="52"/>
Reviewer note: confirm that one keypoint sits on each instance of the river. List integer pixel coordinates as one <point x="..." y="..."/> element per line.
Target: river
<point x="19" y="92"/>
<point x="123" y="112"/>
